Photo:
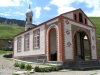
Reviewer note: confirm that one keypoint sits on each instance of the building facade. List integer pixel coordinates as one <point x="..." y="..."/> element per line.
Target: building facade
<point x="67" y="37"/>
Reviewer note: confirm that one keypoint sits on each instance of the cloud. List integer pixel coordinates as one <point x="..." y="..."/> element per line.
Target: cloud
<point x="6" y="3"/>
<point x="29" y="1"/>
<point x="63" y="5"/>
<point x="64" y="9"/>
<point x="19" y="13"/>
<point x="66" y="5"/>
<point x="47" y="8"/>
<point x="5" y="14"/>
<point x="95" y="4"/>
<point x="37" y="12"/>
<point x="12" y="13"/>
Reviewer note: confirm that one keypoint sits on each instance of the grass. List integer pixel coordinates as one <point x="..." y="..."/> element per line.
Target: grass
<point x="4" y="51"/>
<point x="16" y="74"/>
<point x="94" y="74"/>
<point x="96" y="22"/>
<point x="9" y="31"/>
<point x="98" y="46"/>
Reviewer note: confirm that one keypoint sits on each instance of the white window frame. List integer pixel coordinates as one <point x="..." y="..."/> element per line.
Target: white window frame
<point x="36" y="39"/>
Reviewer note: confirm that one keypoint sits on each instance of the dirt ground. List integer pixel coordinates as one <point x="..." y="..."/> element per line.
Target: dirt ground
<point x="7" y="68"/>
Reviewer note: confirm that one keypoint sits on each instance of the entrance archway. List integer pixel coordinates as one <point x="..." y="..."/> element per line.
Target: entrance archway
<point x="52" y="45"/>
<point x="82" y="48"/>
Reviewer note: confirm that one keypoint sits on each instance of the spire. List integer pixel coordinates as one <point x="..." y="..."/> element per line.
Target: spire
<point x="29" y="6"/>
<point x="29" y="15"/>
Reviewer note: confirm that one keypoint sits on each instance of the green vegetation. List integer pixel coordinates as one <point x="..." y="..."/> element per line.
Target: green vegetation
<point x="47" y="69"/>
<point x="98" y="46"/>
<point x="94" y="74"/>
<point x="16" y="64"/>
<point x="15" y="74"/>
<point x="4" y="51"/>
<point x="9" y="31"/>
<point x="96" y="22"/>
<point x="22" y="65"/>
<point x="28" y="67"/>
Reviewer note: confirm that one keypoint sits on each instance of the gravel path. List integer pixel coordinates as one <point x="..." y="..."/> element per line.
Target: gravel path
<point x="7" y="68"/>
<point x="71" y="73"/>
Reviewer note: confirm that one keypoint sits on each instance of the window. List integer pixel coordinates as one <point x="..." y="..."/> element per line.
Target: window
<point x="30" y="19"/>
<point x="80" y="17"/>
<point x="26" y="42"/>
<point x="26" y="19"/>
<point x="75" y="17"/>
<point x="19" y="44"/>
<point x="85" y="21"/>
<point x="36" y="39"/>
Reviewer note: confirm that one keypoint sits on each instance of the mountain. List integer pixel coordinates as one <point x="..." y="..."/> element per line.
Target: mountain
<point x="11" y="21"/>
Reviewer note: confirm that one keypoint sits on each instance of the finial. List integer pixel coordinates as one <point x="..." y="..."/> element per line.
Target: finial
<point x="29" y="6"/>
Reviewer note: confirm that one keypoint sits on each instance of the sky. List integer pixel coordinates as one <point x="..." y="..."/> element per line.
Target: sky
<point x="44" y="10"/>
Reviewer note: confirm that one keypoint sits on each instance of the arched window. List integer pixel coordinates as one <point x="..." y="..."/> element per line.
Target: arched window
<point x="80" y="17"/>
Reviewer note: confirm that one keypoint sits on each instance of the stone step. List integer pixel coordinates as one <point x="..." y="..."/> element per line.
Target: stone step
<point x="78" y="64"/>
<point x="54" y="62"/>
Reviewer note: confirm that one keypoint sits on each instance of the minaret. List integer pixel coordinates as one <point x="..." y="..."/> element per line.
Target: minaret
<point x="29" y="15"/>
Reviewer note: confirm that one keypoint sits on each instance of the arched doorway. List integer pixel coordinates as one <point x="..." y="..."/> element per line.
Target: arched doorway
<point x="82" y="46"/>
<point x="52" y="45"/>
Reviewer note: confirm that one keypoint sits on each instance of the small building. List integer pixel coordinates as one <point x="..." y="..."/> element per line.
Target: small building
<point x="68" y="37"/>
<point x="6" y="44"/>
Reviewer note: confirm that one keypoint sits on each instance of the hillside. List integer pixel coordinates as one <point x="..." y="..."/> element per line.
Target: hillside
<point x="11" y="21"/>
<point x="8" y="31"/>
<point x="96" y="21"/>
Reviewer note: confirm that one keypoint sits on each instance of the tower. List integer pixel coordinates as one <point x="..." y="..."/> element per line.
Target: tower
<point x="29" y="15"/>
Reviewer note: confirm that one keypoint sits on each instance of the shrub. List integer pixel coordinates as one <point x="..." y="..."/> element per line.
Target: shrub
<point x="16" y="64"/>
<point x="15" y="74"/>
<point x="28" y="67"/>
<point x="57" y="68"/>
<point x="37" y="69"/>
<point x="22" y="66"/>
<point x="8" y="56"/>
<point x="47" y="69"/>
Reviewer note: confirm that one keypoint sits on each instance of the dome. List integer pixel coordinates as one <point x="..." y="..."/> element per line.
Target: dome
<point x="29" y="12"/>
